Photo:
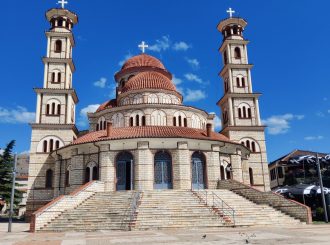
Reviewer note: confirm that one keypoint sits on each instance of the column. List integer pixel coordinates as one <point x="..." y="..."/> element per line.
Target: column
<point x="107" y="167"/>
<point x="143" y="167"/>
<point x="213" y="167"/>
<point x="236" y="164"/>
<point x="181" y="167"/>
<point x="78" y="169"/>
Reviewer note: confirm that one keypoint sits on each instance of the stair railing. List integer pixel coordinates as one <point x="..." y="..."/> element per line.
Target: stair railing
<point x="213" y="200"/>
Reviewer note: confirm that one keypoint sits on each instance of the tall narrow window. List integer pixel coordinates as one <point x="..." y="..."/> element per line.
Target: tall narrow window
<point x="239" y="113"/>
<point x="185" y="122"/>
<point x="94" y="173"/>
<point x="59" y="109"/>
<point x="51" y="145"/>
<point x="58" y="46"/>
<point x="251" y="176"/>
<point x="253" y="146"/>
<point x="53" y="77"/>
<point x="143" y="120"/>
<point x="59" y="77"/>
<point x="131" y="121"/>
<point x="237" y="53"/>
<point x="243" y="82"/>
<point x="67" y="178"/>
<point x="45" y="146"/>
<point x="248" y="144"/>
<point x="180" y="123"/>
<point x="237" y="82"/>
<point x="104" y="125"/>
<point x="235" y="30"/>
<point x="249" y="113"/>
<point x="174" y="121"/>
<point x="47" y="109"/>
<point x="60" y="22"/>
<point x="244" y="112"/>
<point x="49" y="178"/>
<point x="53" y="108"/>
<point x="137" y="121"/>
<point x="57" y="144"/>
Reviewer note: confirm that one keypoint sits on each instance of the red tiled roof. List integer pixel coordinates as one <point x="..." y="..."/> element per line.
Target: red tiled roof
<point x="142" y="60"/>
<point x="149" y="80"/>
<point x="108" y="104"/>
<point x="149" y="132"/>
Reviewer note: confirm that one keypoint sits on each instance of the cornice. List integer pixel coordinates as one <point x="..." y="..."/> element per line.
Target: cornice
<point x="58" y="91"/>
<point x="238" y="95"/>
<point x="60" y="60"/>
<point x="235" y="66"/>
<point x="61" y="34"/>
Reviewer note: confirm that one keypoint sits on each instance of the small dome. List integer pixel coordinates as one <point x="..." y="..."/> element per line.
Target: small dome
<point x="142" y="60"/>
<point x="149" y="80"/>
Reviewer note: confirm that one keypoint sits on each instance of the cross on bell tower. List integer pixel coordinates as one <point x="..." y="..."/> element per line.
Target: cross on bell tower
<point x="230" y="11"/>
<point x="62" y="2"/>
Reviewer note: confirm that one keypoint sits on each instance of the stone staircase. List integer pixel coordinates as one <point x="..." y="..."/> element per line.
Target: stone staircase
<point x="248" y="213"/>
<point x="163" y="209"/>
<point x="170" y="209"/>
<point x="102" y="211"/>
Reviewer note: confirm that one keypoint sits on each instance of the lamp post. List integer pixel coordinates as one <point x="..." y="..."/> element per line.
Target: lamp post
<point x="321" y="186"/>
<point x="12" y="195"/>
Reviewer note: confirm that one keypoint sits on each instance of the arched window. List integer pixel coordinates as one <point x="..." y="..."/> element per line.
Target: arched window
<point x="58" y="109"/>
<point x="185" y="122"/>
<point x="143" y="120"/>
<point x="244" y="112"/>
<point x="253" y="146"/>
<point x="53" y="77"/>
<point x="251" y="176"/>
<point x="94" y="173"/>
<point x="58" y="46"/>
<point x="53" y="108"/>
<point x="243" y="82"/>
<point x="238" y="82"/>
<point x="97" y="127"/>
<point x="49" y="178"/>
<point x="158" y="118"/>
<point x="180" y="123"/>
<point x="87" y="174"/>
<point x="45" y="146"/>
<point x="57" y="144"/>
<point x="59" y="77"/>
<point x="249" y="112"/>
<point x="174" y="121"/>
<point x="51" y="145"/>
<point x="47" y="109"/>
<point x="60" y="22"/>
<point x="105" y="125"/>
<point x="222" y="172"/>
<point x="239" y="113"/>
<point x="248" y="144"/>
<point x="198" y="165"/>
<point x="137" y="120"/>
<point x="131" y="121"/>
<point x="237" y="53"/>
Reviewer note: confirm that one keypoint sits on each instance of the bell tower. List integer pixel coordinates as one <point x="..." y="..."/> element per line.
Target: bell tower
<point x="54" y="126"/>
<point x="240" y="105"/>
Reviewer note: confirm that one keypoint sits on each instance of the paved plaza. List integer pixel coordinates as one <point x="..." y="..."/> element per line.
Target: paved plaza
<point x="303" y="234"/>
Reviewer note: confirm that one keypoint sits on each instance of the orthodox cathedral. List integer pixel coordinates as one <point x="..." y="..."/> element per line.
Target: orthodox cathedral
<point x="145" y="138"/>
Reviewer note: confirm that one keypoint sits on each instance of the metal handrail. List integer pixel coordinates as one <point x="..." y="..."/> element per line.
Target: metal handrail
<point x="213" y="200"/>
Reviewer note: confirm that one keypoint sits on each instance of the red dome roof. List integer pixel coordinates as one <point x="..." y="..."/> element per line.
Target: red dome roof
<point x="149" y="80"/>
<point x="143" y="60"/>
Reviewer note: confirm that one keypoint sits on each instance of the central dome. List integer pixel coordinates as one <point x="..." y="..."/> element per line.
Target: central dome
<point x="149" y="80"/>
<point x="143" y="60"/>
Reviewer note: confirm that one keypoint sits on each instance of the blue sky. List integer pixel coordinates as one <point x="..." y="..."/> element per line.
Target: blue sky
<point x="289" y="48"/>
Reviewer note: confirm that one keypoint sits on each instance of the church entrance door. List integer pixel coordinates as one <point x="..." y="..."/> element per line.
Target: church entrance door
<point x="198" y="171"/>
<point x="163" y="171"/>
<point x="124" y="172"/>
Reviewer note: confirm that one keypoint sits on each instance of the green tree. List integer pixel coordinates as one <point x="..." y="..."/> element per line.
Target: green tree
<point x="6" y="175"/>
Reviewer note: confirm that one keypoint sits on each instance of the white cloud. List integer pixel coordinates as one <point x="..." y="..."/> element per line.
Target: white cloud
<point x="329" y="111"/>
<point x="217" y="123"/>
<point x="194" y="63"/>
<point x="83" y="114"/>
<point x="181" y="46"/>
<point x="18" y="115"/>
<point x="176" y="80"/>
<point x="125" y="58"/>
<point x="193" y="77"/>
<point x="180" y="90"/>
<point x="280" y="124"/>
<point x="320" y="137"/>
<point x="161" y="44"/>
<point x="194" y="95"/>
<point x="101" y="82"/>
<point x="25" y="152"/>
<point x="1" y="151"/>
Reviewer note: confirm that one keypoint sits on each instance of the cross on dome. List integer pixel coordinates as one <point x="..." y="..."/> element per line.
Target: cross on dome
<point x="62" y="2"/>
<point x="143" y="46"/>
<point x="230" y="11"/>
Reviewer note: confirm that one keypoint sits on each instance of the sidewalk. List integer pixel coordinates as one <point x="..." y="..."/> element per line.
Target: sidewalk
<point x="304" y="234"/>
